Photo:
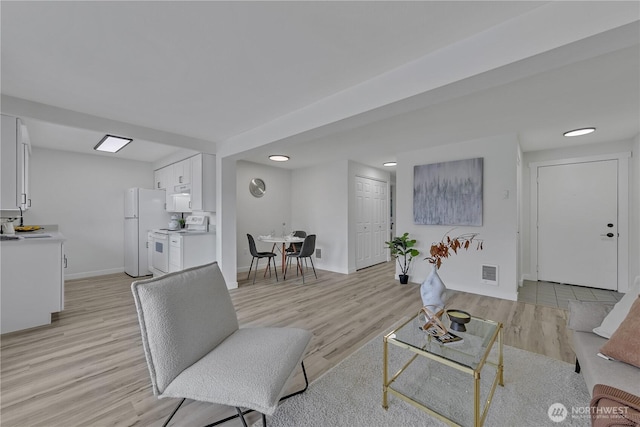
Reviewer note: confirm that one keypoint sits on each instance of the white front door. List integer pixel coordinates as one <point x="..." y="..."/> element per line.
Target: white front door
<point x="578" y="223"/>
<point x="371" y="221"/>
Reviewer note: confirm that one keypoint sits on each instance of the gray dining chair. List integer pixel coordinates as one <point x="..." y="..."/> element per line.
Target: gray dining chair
<point x="196" y="350"/>
<point x="306" y="252"/>
<point x="257" y="256"/>
<point x="295" y="246"/>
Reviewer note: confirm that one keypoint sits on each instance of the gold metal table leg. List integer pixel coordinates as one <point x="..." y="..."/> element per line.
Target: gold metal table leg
<point x="500" y="363"/>
<point x="476" y="399"/>
<point x="385" y="374"/>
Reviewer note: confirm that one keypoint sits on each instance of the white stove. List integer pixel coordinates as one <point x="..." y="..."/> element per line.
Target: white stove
<point x="175" y="250"/>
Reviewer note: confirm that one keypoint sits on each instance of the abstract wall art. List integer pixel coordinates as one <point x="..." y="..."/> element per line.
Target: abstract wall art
<point x="448" y="193"/>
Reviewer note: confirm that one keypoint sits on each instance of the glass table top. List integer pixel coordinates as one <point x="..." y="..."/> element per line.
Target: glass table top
<point x="467" y="352"/>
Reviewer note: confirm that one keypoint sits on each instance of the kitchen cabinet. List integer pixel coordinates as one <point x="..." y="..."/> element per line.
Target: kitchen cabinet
<point x="31" y="281"/>
<point x="15" y="149"/>
<point x="203" y="183"/>
<point x="191" y="249"/>
<point x="182" y="172"/>
<point x="175" y="253"/>
<point x="162" y="177"/>
<point x="190" y="184"/>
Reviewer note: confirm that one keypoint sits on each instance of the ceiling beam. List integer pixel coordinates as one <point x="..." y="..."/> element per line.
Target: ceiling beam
<point x="23" y="108"/>
<point x="542" y="30"/>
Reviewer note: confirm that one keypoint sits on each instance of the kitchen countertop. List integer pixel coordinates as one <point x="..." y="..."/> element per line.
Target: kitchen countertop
<point x="25" y="237"/>
<point x="182" y="232"/>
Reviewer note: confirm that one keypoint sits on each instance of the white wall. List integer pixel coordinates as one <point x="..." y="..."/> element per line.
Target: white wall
<point x="320" y="198"/>
<point x="260" y="216"/>
<point x="463" y="271"/>
<point x="586" y="151"/>
<point x="84" y="195"/>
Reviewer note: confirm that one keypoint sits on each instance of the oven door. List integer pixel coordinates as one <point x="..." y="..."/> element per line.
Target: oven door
<point x="160" y="252"/>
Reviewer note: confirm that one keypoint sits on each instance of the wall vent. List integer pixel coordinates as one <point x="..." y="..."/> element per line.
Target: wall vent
<point x="318" y="253"/>
<point x="489" y="274"/>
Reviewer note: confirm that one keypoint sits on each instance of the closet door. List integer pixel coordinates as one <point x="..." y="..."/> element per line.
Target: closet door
<point x="372" y="211"/>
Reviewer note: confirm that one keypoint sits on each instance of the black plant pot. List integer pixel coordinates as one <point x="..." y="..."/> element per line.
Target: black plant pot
<point x="404" y="279"/>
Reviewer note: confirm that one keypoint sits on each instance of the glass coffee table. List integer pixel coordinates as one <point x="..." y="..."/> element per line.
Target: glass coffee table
<point x="444" y="380"/>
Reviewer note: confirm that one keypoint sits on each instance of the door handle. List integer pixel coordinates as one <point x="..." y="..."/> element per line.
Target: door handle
<point x="607" y="235"/>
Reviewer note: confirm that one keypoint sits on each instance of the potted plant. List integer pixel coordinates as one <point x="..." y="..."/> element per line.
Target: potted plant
<point x="403" y="247"/>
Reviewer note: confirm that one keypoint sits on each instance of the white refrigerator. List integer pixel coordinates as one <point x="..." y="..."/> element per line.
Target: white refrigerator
<point x="143" y="211"/>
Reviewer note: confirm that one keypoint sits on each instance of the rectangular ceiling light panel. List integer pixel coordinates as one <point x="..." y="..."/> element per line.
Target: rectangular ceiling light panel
<point x="112" y="144"/>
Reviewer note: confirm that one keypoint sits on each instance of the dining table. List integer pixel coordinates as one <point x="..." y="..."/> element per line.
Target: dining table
<point x="281" y="243"/>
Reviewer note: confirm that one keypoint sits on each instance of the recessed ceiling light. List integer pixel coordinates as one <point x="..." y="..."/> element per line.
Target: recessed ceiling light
<point x="278" y="158"/>
<point x="389" y="164"/>
<point x="112" y="144"/>
<point x="579" y="132"/>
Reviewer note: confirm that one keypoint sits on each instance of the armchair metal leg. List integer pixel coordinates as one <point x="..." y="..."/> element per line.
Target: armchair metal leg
<point x="241" y="416"/>
<point x="173" y="413"/>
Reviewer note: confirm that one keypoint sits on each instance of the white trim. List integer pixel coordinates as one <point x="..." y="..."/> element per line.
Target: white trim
<point x="85" y="274"/>
<point x="623" y="210"/>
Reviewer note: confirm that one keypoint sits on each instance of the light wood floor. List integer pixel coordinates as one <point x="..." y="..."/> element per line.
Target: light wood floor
<point x="88" y="367"/>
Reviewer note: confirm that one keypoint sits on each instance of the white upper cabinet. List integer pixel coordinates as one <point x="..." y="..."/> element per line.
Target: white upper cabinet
<point x="15" y="156"/>
<point x="162" y="178"/>
<point x="182" y="172"/>
<point x="203" y="183"/>
<point x="190" y="184"/>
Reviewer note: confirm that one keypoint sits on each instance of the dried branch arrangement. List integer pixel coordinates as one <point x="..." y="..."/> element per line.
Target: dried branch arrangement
<point x="449" y="246"/>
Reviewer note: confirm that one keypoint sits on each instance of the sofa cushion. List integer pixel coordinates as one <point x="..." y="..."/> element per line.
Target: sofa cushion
<point x="240" y="371"/>
<point x="586" y="315"/>
<point x="619" y="312"/>
<point x="624" y="344"/>
<point x="597" y="370"/>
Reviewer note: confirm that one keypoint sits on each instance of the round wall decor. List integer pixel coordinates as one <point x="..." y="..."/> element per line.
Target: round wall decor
<point x="257" y="187"/>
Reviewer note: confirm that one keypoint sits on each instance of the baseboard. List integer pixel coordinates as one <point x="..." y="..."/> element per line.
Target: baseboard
<point x="86" y="274"/>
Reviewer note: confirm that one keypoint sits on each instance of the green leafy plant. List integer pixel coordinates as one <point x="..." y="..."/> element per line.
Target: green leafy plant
<point x="443" y="248"/>
<point x="403" y="247"/>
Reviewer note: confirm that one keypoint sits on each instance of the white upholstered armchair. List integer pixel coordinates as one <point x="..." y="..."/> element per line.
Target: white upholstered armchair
<point x="196" y="350"/>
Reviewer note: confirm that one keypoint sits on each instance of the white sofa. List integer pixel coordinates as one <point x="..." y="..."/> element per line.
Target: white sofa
<point x="585" y="319"/>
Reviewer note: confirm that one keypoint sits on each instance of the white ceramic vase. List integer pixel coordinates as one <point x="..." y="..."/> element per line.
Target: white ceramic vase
<point x="432" y="290"/>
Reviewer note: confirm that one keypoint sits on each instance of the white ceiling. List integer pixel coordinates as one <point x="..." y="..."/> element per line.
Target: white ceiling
<point x="242" y="74"/>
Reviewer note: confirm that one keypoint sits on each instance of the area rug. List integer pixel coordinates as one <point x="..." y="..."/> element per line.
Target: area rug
<point x="536" y="389"/>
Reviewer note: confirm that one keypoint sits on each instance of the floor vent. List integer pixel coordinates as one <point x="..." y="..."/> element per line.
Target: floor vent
<point x="490" y="274"/>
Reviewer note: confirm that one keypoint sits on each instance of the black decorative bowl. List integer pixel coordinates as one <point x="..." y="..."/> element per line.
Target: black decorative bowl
<point x="458" y="319"/>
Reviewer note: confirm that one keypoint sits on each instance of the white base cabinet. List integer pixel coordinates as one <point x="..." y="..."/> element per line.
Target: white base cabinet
<point x="188" y="250"/>
<point x="31" y="283"/>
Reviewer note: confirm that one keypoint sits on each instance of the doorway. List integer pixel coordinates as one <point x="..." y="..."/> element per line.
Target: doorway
<point x="580" y="221"/>
<point x="371" y="221"/>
